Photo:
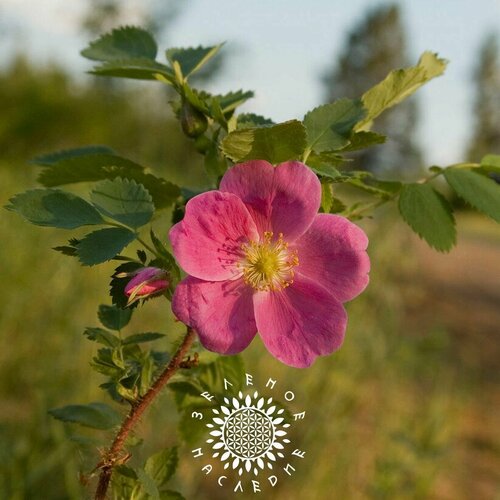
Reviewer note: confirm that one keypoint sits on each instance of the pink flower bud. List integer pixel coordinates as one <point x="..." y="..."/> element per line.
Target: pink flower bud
<point x="147" y="282"/>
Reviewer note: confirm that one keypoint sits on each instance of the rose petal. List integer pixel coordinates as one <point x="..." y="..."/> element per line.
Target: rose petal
<point x="207" y="242"/>
<point x="300" y="322"/>
<point x="253" y="183"/>
<point x="221" y="312"/>
<point x="332" y="253"/>
<point x="284" y="199"/>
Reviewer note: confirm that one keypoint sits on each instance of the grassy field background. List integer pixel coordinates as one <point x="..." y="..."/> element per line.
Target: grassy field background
<point x="406" y="409"/>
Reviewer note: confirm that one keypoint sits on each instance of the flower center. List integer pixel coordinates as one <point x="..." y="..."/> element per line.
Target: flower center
<point x="268" y="265"/>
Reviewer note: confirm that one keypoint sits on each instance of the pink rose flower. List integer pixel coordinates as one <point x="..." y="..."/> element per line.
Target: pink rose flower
<point x="260" y="258"/>
<point x="147" y="282"/>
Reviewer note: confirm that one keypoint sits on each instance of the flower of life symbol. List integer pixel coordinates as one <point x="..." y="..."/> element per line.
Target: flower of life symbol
<point x="248" y="432"/>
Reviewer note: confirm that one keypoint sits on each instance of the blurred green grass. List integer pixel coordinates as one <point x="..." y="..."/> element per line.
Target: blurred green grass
<point x="403" y="410"/>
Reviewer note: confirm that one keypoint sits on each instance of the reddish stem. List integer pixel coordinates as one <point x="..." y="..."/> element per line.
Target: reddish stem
<point x="112" y="455"/>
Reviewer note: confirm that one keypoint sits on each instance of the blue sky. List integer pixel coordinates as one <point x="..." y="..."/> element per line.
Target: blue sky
<point x="282" y="47"/>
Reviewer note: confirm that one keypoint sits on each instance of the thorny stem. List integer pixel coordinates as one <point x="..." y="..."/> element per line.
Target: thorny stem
<point x="112" y="456"/>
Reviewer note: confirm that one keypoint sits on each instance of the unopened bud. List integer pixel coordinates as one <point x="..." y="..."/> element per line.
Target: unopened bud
<point x="193" y="121"/>
<point x="147" y="282"/>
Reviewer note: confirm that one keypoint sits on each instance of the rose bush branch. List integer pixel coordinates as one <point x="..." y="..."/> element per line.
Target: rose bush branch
<point x="112" y="456"/>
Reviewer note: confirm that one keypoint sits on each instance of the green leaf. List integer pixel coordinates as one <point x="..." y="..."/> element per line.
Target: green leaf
<point x="197" y="98"/>
<point x="429" y="214"/>
<point x="125" y="471"/>
<point x="326" y="163"/>
<point x="215" y="163"/>
<point x="326" y="196"/>
<point x="170" y="495"/>
<point x="231" y="368"/>
<point x="162" y="465"/>
<point x="383" y="189"/>
<point x="122" y="43"/>
<point x="230" y="101"/>
<point x="95" y="415"/>
<point x="400" y="84"/>
<point x="102" y="336"/>
<point x="148" y="369"/>
<point x="167" y="259"/>
<point x="142" y="255"/>
<point x="96" y="167"/>
<point x="324" y="170"/>
<point x="491" y="163"/>
<point x="139" y="338"/>
<point x="192" y="430"/>
<point x="54" y="208"/>
<point x="362" y="140"/>
<point x="104" y="244"/>
<point x="103" y="363"/>
<point x="66" y="250"/>
<point x="87" y="168"/>
<point x="276" y="144"/>
<point x="251" y="120"/>
<point x="113" y="317"/>
<point x="480" y="191"/>
<point x="337" y="206"/>
<point x="148" y="485"/>
<point x="117" y="284"/>
<point x="329" y="126"/>
<point x="192" y="59"/>
<point x="163" y="192"/>
<point x="183" y="388"/>
<point x="216" y="113"/>
<point x="123" y="484"/>
<point x="136" y="68"/>
<point x="124" y="201"/>
<point x="51" y="158"/>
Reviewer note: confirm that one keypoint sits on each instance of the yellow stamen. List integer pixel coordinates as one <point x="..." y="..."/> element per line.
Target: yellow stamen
<point x="268" y="265"/>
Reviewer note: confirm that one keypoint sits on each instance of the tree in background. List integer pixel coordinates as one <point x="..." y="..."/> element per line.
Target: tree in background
<point x="156" y="16"/>
<point x="373" y="48"/>
<point x="486" y="136"/>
